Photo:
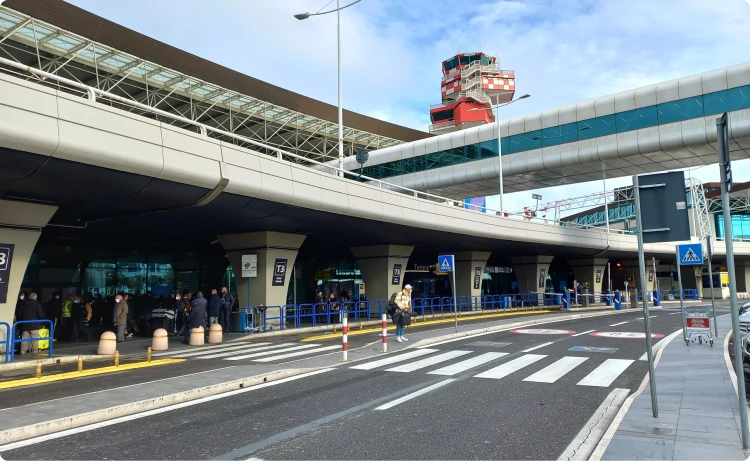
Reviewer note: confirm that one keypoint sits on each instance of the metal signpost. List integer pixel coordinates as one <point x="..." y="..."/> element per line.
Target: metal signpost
<point x="665" y="219"/>
<point x="689" y="254"/>
<point x="447" y="263"/>
<point x="710" y="252"/>
<point x="725" y="168"/>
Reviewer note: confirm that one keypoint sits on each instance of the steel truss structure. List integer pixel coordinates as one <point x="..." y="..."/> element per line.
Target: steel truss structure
<point x="38" y="44"/>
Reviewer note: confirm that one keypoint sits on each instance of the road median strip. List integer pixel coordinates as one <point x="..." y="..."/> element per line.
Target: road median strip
<point x="86" y="373"/>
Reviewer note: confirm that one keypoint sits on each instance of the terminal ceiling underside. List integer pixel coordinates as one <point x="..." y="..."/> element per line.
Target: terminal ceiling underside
<point x="39" y="44"/>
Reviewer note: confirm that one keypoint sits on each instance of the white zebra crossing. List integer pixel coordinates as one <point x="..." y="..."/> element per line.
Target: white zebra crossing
<point x="298" y="353"/>
<point x="257" y="352"/>
<point x="602" y="376"/>
<point x="429" y="361"/>
<point x="557" y="370"/>
<point x="245" y="349"/>
<point x="466" y="365"/>
<point x="192" y="352"/>
<point x="275" y="351"/>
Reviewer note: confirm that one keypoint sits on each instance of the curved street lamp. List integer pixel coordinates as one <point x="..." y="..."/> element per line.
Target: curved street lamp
<point x="338" y="9"/>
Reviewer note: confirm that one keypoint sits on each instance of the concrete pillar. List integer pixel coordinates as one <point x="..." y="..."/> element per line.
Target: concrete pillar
<point x="529" y="270"/>
<point x="591" y="272"/>
<point x="630" y="268"/>
<point x="20" y="228"/>
<point x="381" y="266"/>
<point x="270" y="247"/>
<point x="742" y="269"/>
<point x="469" y="265"/>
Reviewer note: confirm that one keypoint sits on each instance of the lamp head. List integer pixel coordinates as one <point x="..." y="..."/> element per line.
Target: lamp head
<point x="302" y="16"/>
<point x="524" y="96"/>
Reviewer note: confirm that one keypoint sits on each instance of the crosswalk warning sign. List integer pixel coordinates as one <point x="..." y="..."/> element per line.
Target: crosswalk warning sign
<point x="445" y="263"/>
<point x="690" y="254"/>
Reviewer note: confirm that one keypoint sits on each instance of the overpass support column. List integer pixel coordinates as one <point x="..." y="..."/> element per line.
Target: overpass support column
<point x="382" y="268"/>
<point x="530" y="270"/>
<point x="630" y="271"/>
<point x="590" y="272"/>
<point x="276" y="252"/>
<point x="470" y="272"/>
<point x="20" y="228"/>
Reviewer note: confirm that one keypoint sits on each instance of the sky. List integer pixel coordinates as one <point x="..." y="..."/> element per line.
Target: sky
<point x="562" y="52"/>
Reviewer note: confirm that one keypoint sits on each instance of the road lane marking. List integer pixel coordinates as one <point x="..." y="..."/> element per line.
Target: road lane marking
<point x="606" y="373"/>
<point x="557" y="370"/>
<point x="429" y="361"/>
<point x="538" y="347"/>
<point x="393" y="359"/>
<point x="510" y="367"/>
<point x="650" y="316"/>
<point x="298" y="353"/>
<point x="242" y="350"/>
<point x="675" y="313"/>
<point x="618" y="324"/>
<point x="584" y="333"/>
<point x="459" y="367"/>
<point x="145" y="414"/>
<point x="413" y="395"/>
<point x="202" y="350"/>
<point x="275" y="351"/>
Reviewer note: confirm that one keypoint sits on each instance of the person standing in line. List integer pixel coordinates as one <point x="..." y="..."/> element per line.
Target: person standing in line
<point x="225" y="314"/>
<point x="30" y="310"/>
<point x="66" y="319"/>
<point x="81" y="317"/>
<point x="184" y="310"/>
<point x="214" y="307"/>
<point x="403" y="302"/>
<point x="52" y="310"/>
<point x="197" y="315"/>
<point x="121" y="316"/>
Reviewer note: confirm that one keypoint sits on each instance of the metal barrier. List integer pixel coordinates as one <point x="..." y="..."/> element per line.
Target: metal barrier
<point x="8" y="344"/>
<point x="13" y="340"/>
<point x="306" y="310"/>
<point x="266" y="318"/>
<point x="357" y="308"/>
<point x="325" y="313"/>
<point x="286" y="316"/>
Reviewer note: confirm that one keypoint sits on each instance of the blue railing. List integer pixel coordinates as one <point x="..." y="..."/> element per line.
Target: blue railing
<point x="8" y="344"/>
<point x="13" y="340"/>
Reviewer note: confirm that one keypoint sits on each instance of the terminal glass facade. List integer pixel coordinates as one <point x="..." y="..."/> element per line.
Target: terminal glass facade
<point x="619" y="122"/>
<point x="740" y="226"/>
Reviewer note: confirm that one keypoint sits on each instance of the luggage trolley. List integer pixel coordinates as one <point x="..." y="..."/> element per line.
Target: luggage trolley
<point x="255" y="319"/>
<point x="698" y="322"/>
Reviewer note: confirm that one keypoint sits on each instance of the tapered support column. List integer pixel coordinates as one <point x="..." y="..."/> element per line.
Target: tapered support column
<point x="531" y="272"/>
<point x="382" y="268"/>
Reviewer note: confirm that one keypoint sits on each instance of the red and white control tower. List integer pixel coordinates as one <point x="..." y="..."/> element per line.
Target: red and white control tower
<point x="472" y="83"/>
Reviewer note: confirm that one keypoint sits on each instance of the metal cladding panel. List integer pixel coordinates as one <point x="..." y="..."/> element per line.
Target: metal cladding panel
<point x="516" y="126"/>
<point x="605" y="106"/>
<point x="585" y="110"/>
<point x="486" y="132"/>
<point x="713" y="81"/>
<point x="550" y="118"/>
<point x="690" y="86"/>
<point x="567" y="114"/>
<point x="625" y="101"/>
<point x="667" y="91"/>
<point x="664" y="207"/>
<point x="738" y="75"/>
<point x="645" y="97"/>
<point x="533" y="122"/>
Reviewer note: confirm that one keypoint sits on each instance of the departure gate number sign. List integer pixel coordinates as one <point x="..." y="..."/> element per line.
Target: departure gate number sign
<point x="6" y="256"/>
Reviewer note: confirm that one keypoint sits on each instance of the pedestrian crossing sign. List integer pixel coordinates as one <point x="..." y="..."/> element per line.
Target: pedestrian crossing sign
<point x="445" y="263"/>
<point x="690" y="254"/>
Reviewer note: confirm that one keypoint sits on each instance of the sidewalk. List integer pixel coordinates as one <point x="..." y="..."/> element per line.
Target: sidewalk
<point x="698" y="408"/>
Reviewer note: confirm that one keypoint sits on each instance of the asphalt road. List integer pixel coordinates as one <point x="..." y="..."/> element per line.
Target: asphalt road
<point x="348" y="413"/>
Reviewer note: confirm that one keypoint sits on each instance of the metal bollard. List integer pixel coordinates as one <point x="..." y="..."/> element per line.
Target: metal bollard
<point x="148" y="355"/>
<point x="117" y="358"/>
<point x="80" y="363"/>
<point x="38" y="369"/>
<point x="384" y="318"/>
<point x="345" y="339"/>
<point x="361" y="326"/>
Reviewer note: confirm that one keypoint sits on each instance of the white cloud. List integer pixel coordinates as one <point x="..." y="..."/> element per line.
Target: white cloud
<point x="562" y="52"/>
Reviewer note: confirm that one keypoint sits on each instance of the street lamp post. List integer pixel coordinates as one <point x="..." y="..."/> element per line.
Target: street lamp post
<point x="338" y="9"/>
<point x="499" y="143"/>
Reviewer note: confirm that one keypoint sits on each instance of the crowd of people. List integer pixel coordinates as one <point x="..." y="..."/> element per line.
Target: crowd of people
<point x="128" y="314"/>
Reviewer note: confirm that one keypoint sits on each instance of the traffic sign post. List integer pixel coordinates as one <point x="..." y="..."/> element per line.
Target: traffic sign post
<point x="447" y="263"/>
<point x="689" y="254"/>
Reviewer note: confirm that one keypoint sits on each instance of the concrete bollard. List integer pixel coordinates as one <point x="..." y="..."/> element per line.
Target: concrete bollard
<point x="107" y="343"/>
<point x="38" y="369"/>
<point x="196" y="336"/>
<point x="160" y="342"/>
<point x="215" y="334"/>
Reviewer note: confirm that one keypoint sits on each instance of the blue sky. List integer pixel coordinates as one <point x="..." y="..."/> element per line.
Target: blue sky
<point x="562" y="51"/>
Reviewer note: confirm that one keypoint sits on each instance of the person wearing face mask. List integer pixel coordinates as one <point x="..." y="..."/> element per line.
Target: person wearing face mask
<point x="121" y="315"/>
<point x="81" y="316"/>
<point x="53" y="309"/>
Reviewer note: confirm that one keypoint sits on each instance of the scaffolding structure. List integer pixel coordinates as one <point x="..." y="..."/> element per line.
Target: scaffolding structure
<point x="38" y="44"/>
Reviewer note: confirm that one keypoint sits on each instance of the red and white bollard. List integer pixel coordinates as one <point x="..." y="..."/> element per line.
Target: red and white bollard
<point x="384" y="318"/>
<point x="344" y="338"/>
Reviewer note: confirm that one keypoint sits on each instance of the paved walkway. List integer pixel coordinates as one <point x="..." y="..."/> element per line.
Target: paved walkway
<point x="698" y="408"/>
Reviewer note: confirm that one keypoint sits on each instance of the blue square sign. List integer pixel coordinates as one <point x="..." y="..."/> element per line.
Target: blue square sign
<point x="690" y="254"/>
<point x="446" y="263"/>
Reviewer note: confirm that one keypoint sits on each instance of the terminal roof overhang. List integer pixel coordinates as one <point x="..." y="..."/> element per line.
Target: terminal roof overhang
<point x="360" y="130"/>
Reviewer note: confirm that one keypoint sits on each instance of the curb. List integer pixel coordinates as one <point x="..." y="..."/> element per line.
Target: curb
<point x="51" y="361"/>
<point x="70" y="422"/>
<point x="508" y="326"/>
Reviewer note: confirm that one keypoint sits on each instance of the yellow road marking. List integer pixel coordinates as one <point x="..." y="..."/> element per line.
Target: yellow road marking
<point x="85" y="373"/>
<point x="427" y="322"/>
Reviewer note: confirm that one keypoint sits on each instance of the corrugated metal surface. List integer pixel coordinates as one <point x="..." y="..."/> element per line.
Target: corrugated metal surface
<point x="93" y="27"/>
